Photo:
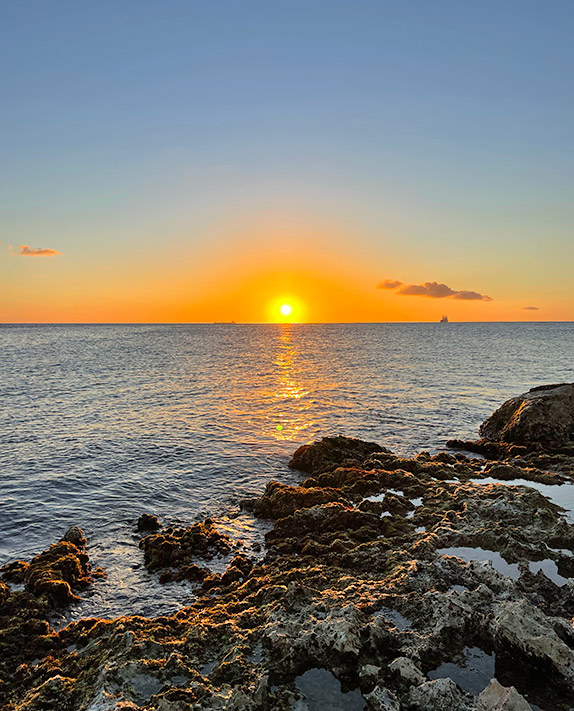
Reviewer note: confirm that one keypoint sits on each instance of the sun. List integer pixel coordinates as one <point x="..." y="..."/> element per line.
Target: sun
<point x="286" y="308"/>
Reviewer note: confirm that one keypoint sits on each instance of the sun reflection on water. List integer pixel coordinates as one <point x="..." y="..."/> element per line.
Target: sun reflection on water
<point x="291" y="417"/>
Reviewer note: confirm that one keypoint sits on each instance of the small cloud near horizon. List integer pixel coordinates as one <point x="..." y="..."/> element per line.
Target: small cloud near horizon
<point x="433" y="290"/>
<point x="389" y="284"/>
<point x="530" y="308"/>
<point x="27" y="251"/>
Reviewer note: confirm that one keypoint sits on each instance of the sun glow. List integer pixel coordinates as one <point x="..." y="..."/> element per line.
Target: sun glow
<point x="286" y="308"/>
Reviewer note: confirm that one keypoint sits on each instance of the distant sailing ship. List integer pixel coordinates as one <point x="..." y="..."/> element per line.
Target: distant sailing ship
<point x="225" y="323"/>
<point x="444" y="319"/>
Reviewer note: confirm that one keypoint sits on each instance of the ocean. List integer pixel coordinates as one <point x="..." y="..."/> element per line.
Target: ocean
<point x="100" y="423"/>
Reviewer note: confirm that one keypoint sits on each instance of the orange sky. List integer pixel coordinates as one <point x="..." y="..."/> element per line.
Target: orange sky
<point x="246" y="270"/>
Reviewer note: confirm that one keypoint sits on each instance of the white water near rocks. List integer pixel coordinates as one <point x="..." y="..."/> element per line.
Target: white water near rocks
<point x="101" y="423"/>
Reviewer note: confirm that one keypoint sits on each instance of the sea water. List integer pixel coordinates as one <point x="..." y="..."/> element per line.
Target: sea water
<point x="99" y="423"/>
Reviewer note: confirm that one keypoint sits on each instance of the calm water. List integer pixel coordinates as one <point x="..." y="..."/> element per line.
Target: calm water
<point x="100" y="423"/>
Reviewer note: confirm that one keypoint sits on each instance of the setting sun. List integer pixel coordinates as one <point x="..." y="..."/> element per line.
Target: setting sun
<point x="286" y="309"/>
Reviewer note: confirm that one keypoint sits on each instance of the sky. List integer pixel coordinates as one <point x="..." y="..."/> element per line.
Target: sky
<point x="360" y="161"/>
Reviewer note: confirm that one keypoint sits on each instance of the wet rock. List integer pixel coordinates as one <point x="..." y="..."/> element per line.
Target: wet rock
<point x="439" y="695"/>
<point x="178" y="547"/>
<point x="501" y="698"/>
<point x="332" y="452"/>
<point x="25" y="633"/>
<point x="57" y="694"/>
<point x="61" y="569"/>
<point x="507" y="472"/>
<point x="543" y="415"/>
<point x="344" y="588"/>
<point x="243" y="563"/>
<point x="193" y="573"/>
<point x="75" y="535"/>
<point x="14" y="572"/>
<point x="147" y="522"/>
<point x="279" y="500"/>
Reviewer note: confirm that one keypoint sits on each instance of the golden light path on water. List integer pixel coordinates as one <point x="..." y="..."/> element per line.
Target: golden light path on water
<point x="293" y="422"/>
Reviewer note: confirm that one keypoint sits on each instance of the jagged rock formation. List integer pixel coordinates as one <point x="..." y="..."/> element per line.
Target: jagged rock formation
<point x="368" y="575"/>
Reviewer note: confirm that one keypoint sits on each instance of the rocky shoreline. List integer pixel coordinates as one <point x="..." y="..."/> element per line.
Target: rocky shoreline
<point x="435" y="583"/>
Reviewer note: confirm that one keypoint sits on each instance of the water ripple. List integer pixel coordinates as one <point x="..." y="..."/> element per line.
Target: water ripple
<point x="101" y="423"/>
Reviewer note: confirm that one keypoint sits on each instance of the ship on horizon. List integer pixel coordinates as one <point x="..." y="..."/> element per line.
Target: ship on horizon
<point x="444" y="319"/>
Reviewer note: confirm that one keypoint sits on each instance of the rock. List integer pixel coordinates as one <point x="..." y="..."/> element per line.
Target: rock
<point x="25" y="633"/>
<point x="377" y="592"/>
<point x="438" y="695"/>
<point x="527" y="630"/>
<point x="332" y="452"/>
<point x="177" y="547"/>
<point x="56" y="693"/>
<point x="369" y="674"/>
<point x="62" y="568"/>
<point x="147" y="522"/>
<point x="75" y="535"/>
<point x="501" y="698"/>
<point x="280" y="500"/>
<point x="14" y="572"/>
<point x="381" y="699"/>
<point x="407" y="670"/>
<point x="544" y="415"/>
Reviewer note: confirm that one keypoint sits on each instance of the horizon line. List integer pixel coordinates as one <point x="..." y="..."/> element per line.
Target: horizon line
<point x="250" y="323"/>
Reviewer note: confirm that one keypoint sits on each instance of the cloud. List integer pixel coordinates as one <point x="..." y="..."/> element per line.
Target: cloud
<point x="530" y="308"/>
<point x="389" y="284"/>
<point x="471" y="296"/>
<point x="433" y="290"/>
<point x="26" y="251"/>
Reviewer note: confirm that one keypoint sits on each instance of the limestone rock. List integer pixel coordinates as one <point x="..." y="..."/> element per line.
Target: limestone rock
<point x="75" y="535"/>
<point x="177" y="547"/>
<point x="544" y="415"/>
<point x="331" y="452"/>
<point x="501" y="698"/>
<point x="406" y="669"/>
<point x="62" y="568"/>
<point x="438" y="695"/>
<point x="381" y="699"/>
<point x="280" y="500"/>
<point x="527" y="629"/>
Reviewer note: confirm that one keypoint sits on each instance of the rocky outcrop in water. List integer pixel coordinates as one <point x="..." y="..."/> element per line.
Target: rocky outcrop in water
<point x="58" y="571"/>
<point x="370" y="587"/>
<point x="544" y="415"/>
<point x="539" y="421"/>
<point x="178" y="549"/>
<point x="331" y="452"/>
<point x="148" y="522"/>
<point x="28" y="644"/>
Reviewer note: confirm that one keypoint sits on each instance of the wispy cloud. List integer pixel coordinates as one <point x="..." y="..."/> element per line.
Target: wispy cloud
<point x="26" y="251"/>
<point x="433" y="290"/>
<point x="530" y="308"/>
<point x="389" y="284"/>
